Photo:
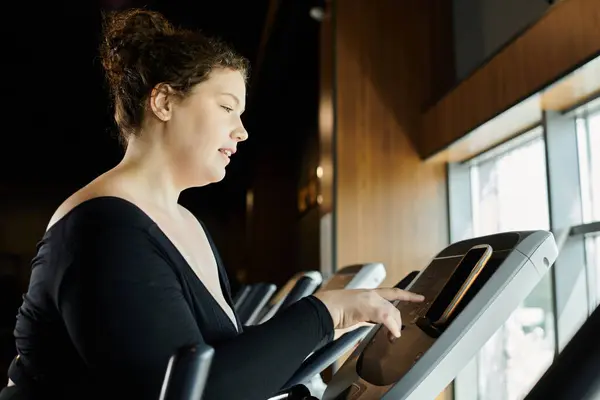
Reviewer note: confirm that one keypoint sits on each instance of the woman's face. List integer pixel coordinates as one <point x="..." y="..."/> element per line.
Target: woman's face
<point x="205" y="127"/>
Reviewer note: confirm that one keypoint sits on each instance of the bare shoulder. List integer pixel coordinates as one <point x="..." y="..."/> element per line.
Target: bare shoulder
<point x="69" y="204"/>
<point x="96" y="188"/>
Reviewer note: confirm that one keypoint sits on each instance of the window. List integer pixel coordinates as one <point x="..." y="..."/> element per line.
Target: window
<point x="544" y="179"/>
<point x="547" y="178"/>
<point x="592" y="249"/>
<point x="509" y="192"/>
<point x="588" y="141"/>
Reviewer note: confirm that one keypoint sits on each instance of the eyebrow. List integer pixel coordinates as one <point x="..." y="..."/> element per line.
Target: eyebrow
<point x="233" y="96"/>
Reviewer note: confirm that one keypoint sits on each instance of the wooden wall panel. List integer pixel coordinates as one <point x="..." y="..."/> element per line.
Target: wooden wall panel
<point x="574" y="89"/>
<point x="326" y="112"/>
<point x="390" y="205"/>
<point x="566" y="37"/>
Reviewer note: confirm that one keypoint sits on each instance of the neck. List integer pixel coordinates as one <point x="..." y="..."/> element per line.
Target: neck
<point x="151" y="174"/>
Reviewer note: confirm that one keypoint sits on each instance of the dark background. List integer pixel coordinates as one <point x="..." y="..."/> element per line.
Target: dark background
<point x="58" y="132"/>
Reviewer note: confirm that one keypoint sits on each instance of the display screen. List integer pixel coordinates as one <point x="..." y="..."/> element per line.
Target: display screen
<point x="454" y="283"/>
<point x="383" y="362"/>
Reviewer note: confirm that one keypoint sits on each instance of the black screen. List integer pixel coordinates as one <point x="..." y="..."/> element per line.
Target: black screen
<point x="454" y="283"/>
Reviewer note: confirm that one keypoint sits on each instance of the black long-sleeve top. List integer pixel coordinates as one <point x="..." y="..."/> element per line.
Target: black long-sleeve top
<point x="111" y="299"/>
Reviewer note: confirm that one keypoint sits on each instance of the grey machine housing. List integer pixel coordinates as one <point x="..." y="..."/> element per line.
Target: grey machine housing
<point x="418" y="366"/>
<point x="357" y="276"/>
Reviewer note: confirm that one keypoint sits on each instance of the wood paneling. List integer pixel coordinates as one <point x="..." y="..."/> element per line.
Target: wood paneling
<point x="574" y="89"/>
<point x="565" y="38"/>
<point x="570" y="91"/>
<point x="390" y="205"/>
<point x="511" y="123"/>
<point x="326" y="120"/>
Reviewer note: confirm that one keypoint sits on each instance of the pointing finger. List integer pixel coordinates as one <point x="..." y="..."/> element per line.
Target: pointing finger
<point x="392" y="294"/>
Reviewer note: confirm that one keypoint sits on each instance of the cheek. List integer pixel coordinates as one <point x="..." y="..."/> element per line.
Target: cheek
<point x="205" y="130"/>
<point x="190" y="137"/>
<point x="200" y="133"/>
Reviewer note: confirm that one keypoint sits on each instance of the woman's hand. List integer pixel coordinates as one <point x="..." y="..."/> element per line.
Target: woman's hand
<point x="355" y="306"/>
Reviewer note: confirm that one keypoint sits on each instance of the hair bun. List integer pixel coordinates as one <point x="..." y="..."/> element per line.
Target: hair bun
<point x="127" y="35"/>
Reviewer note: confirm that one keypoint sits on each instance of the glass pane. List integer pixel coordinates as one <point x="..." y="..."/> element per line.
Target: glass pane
<point x="593" y="262"/>
<point x="593" y="144"/>
<point x="510" y="193"/>
<point x="588" y="138"/>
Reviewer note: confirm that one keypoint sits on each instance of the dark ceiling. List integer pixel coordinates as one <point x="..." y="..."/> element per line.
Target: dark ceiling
<point x="57" y="125"/>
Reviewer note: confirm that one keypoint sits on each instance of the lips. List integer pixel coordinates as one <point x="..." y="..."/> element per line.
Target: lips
<point x="227" y="152"/>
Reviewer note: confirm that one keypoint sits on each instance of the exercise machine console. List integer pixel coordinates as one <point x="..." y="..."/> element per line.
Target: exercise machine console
<point x="470" y="290"/>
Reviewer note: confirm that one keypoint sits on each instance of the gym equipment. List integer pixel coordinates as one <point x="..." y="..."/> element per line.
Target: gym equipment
<point x="304" y="287"/>
<point x="470" y="289"/>
<point x="328" y="354"/>
<point x="187" y="373"/>
<point x="301" y="284"/>
<point x="254" y="301"/>
<point x="357" y="276"/>
<point x="241" y="295"/>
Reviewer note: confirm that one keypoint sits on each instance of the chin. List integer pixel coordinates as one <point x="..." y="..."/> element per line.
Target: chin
<point x="217" y="175"/>
<point x="197" y="180"/>
<point x="218" y="178"/>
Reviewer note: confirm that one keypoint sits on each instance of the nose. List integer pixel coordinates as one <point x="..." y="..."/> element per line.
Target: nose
<point x="240" y="134"/>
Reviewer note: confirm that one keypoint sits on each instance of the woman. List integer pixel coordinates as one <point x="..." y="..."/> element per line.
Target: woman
<point x="124" y="275"/>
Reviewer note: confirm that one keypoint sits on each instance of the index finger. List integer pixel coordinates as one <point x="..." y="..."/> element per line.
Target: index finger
<point x="392" y="294"/>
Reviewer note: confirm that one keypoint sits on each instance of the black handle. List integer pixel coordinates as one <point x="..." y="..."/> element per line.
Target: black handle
<point x="327" y="355"/>
<point x="187" y="373"/>
<point x="296" y="392"/>
<point x="305" y="286"/>
<point x="259" y="294"/>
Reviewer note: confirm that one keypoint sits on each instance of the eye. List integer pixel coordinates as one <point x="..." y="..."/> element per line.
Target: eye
<point x="228" y="109"/>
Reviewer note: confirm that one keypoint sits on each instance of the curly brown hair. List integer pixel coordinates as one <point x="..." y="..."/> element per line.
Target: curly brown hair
<point x="141" y="49"/>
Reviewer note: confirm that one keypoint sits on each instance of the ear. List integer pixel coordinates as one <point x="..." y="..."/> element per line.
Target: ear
<point x="161" y="101"/>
